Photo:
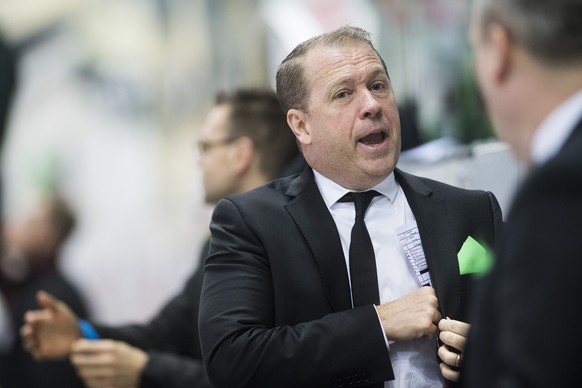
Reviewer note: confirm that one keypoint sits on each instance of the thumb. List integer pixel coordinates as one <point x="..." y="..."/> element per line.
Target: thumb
<point x="46" y="300"/>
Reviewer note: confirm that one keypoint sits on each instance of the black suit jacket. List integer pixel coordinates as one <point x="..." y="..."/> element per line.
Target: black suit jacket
<point x="275" y="308"/>
<point x="170" y="338"/>
<point x="527" y="330"/>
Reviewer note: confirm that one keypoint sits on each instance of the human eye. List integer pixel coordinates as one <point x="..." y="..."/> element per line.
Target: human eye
<point x="378" y="86"/>
<point x="340" y="95"/>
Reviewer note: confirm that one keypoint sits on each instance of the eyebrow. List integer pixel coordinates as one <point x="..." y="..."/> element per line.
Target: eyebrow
<point x="380" y="71"/>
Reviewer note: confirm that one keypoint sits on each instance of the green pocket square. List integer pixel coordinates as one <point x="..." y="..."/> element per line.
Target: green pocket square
<point x="474" y="258"/>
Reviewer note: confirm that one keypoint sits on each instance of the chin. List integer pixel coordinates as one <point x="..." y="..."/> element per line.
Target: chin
<point x="383" y="167"/>
<point x="372" y="177"/>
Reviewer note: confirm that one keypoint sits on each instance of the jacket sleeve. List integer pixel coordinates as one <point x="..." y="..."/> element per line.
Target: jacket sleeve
<point x="165" y="370"/>
<point x="243" y="342"/>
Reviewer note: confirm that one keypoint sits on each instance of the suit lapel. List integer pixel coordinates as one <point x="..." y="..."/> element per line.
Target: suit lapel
<point x="436" y="233"/>
<point x="310" y="213"/>
<point x="313" y="219"/>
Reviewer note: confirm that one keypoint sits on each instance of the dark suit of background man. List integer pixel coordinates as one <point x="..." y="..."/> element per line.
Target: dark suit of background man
<point x="276" y="308"/>
<point x="528" y="61"/>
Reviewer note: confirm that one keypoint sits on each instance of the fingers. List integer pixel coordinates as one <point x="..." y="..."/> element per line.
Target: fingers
<point x="93" y="359"/>
<point x="451" y="363"/>
<point x="46" y="300"/>
<point x="457" y="327"/>
<point x="454" y="333"/>
<point x="454" y="336"/>
<point x="92" y="346"/>
<point x="412" y="316"/>
<point x="48" y="333"/>
<point x="29" y="340"/>
<point x="29" y="333"/>
<point x="449" y="357"/>
<point x="94" y="368"/>
<point x="448" y="373"/>
<point x="453" y="340"/>
<point x="432" y="328"/>
<point x="428" y="295"/>
<point x="107" y="363"/>
<point x="31" y="317"/>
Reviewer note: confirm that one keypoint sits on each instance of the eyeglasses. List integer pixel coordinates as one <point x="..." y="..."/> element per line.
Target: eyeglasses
<point x="205" y="146"/>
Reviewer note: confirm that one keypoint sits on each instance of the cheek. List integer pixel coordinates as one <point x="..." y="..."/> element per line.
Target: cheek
<point x="205" y="168"/>
<point x="211" y="172"/>
<point x="331" y="143"/>
<point x="479" y="77"/>
<point x="332" y="134"/>
<point x="484" y="69"/>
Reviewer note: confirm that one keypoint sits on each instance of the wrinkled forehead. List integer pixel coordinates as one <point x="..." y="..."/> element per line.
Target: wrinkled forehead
<point x="333" y="61"/>
<point x="342" y="47"/>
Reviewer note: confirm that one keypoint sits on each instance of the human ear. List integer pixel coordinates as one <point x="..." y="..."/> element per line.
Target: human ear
<point x="501" y="52"/>
<point x="297" y="120"/>
<point x="244" y="154"/>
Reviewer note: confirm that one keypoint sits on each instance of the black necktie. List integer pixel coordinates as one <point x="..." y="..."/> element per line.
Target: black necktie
<point x="362" y="261"/>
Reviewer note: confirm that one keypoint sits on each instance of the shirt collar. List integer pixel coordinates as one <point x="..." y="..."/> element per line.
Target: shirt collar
<point x="332" y="192"/>
<point x="555" y="129"/>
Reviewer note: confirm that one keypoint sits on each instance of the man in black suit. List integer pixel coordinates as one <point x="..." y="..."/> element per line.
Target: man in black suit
<point x="244" y="143"/>
<point x="276" y="307"/>
<point x="528" y="61"/>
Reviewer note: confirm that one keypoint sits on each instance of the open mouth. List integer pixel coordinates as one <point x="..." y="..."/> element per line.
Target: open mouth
<point x="373" y="138"/>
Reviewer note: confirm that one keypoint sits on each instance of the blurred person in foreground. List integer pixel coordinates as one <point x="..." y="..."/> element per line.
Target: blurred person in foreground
<point x="528" y="62"/>
<point x="280" y="306"/>
<point x="244" y="142"/>
<point x="29" y="263"/>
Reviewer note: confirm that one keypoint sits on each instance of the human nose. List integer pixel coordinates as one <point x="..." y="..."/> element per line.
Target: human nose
<point x="371" y="107"/>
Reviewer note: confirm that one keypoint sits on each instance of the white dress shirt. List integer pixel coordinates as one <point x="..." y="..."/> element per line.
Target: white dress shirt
<point x="553" y="132"/>
<point x="415" y="362"/>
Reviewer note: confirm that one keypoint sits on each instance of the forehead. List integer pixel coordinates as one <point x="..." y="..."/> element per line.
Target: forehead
<point x="336" y="63"/>
<point x="217" y="122"/>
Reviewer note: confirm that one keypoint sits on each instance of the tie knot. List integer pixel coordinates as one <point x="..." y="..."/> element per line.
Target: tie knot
<point x="361" y="200"/>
